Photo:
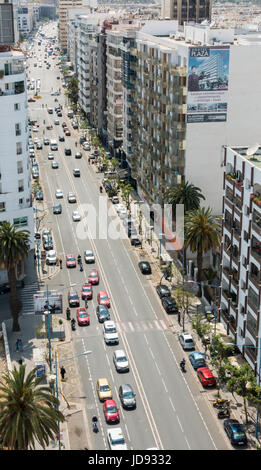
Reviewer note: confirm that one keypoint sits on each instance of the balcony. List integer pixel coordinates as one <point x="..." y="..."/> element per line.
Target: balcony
<point x="256" y="249"/>
<point x="251" y="352"/>
<point x="16" y="90"/>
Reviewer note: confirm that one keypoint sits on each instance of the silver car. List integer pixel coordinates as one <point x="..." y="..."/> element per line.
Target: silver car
<point x="120" y="361"/>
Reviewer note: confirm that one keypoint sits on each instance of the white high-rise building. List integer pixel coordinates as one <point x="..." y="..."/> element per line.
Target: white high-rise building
<point x="15" y="180"/>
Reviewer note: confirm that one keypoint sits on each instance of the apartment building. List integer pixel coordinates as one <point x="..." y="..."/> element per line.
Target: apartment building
<point x="26" y="19"/>
<point x="15" y="171"/>
<point x="63" y="6"/>
<point x="187" y="10"/>
<point x="241" y="250"/>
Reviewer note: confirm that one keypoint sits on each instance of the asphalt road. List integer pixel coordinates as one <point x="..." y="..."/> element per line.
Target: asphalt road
<point x="172" y="411"/>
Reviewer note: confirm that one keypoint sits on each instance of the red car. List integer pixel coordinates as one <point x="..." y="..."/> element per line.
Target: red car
<point x="67" y="132"/>
<point x="93" y="277"/>
<point x="83" y="317"/>
<point x="70" y="261"/>
<point x="111" y="412"/>
<point x="31" y="100"/>
<point x="86" y="291"/>
<point x="206" y="377"/>
<point x="103" y="298"/>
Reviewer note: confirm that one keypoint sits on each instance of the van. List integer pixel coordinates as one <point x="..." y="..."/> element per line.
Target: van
<point x="53" y="144"/>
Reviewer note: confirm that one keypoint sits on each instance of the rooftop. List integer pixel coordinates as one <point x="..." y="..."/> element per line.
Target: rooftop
<point x="251" y="154"/>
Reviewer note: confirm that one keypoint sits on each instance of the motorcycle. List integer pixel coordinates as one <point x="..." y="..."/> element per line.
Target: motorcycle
<point x="95" y="424"/>
<point x="81" y="266"/>
<point x="68" y="314"/>
<point x="220" y="403"/>
<point x="73" y="324"/>
<point x="100" y="189"/>
<point x="79" y="259"/>
<point x="224" y="412"/>
<point x="183" y="365"/>
<point x="49" y="128"/>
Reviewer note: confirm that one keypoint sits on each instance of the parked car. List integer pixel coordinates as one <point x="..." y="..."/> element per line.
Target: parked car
<point x="169" y="305"/>
<point x="163" y="291"/>
<point x="197" y="359"/>
<point x="235" y="432"/>
<point x="186" y="341"/>
<point x="206" y="377"/>
<point x="39" y="196"/>
<point x="51" y="257"/>
<point x="145" y="267"/>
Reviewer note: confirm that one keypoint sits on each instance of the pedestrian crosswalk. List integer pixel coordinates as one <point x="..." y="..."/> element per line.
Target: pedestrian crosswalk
<point x="26" y="295"/>
<point x="141" y="326"/>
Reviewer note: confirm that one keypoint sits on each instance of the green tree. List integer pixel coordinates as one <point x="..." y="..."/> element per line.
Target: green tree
<point x="72" y="90"/>
<point x="28" y="412"/>
<point x="202" y="233"/>
<point x="126" y="190"/>
<point x="184" y="300"/>
<point x="220" y="352"/>
<point x="202" y="328"/>
<point x="14" y="246"/>
<point x="184" y="193"/>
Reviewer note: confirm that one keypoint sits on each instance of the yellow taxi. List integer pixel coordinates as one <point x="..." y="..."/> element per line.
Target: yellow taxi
<point x="104" y="389"/>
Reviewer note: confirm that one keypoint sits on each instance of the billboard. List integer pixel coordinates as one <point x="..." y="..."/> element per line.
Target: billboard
<point x="54" y="302"/>
<point x="207" y="98"/>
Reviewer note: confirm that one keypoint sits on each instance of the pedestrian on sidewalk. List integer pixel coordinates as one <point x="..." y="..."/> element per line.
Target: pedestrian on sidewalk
<point x="63" y="372"/>
<point x="57" y="261"/>
<point x="17" y="344"/>
<point x="61" y="263"/>
<point x="20" y="345"/>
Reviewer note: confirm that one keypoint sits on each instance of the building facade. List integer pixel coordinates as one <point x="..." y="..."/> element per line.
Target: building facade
<point x="240" y="303"/>
<point x="187" y="10"/>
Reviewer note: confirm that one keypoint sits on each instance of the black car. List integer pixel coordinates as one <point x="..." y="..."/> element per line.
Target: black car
<point x="75" y="125"/>
<point x="73" y="299"/>
<point x="135" y="242"/>
<point x="78" y="155"/>
<point x="163" y="291"/>
<point x="61" y="138"/>
<point x="169" y="305"/>
<point x="145" y="267"/>
<point x="107" y="187"/>
<point x="82" y="139"/>
<point x="127" y="396"/>
<point x="59" y="114"/>
<point x="39" y="196"/>
<point x="4" y="288"/>
<point x="57" y="209"/>
<point x="235" y="432"/>
<point x="67" y="151"/>
<point x="103" y="313"/>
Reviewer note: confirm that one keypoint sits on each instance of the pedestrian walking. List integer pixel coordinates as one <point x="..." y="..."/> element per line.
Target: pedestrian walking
<point x="20" y="345"/>
<point x="17" y="344"/>
<point x="63" y="372"/>
<point x="57" y="261"/>
<point x="61" y="264"/>
<point x="86" y="302"/>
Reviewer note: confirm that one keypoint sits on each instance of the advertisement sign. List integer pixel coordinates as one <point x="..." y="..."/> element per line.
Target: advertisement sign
<point x="54" y="302"/>
<point x="208" y="84"/>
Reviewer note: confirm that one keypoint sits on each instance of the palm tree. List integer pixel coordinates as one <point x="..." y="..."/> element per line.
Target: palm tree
<point x="184" y="193"/>
<point x="28" y="412"/>
<point x="202" y="233"/>
<point x="14" y="246"/>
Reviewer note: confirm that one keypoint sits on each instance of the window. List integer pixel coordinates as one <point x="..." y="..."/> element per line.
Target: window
<point x="21" y="201"/>
<point x="18" y="129"/>
<point x="20" y="222"/>
<point x="20" y="186"/>
<point x="2" y="206"/>
<point x="19" y="148"/>
<point x="19" y="167"/>
<point x="253" y="297"/>
<point x="251" y="322"/>
<point x="17" y="106"/>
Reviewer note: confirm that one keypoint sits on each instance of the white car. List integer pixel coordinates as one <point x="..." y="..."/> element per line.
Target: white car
<point x="115" y="200"/>
<point x="86" y="146"/>
<point x="50" y="156"/>
<point x="123" y="213"/>
<point x="120" y="361"/>
<point x="76" y="216"/>
<point x="89" y="256"/>
<point x="59" y="193"/>
<point x="51" y="257"/>
<point x="71" y="197"/>
<point x="116" y="439"/>
<point x="36" y="140"/>
<point x="186" y="341"/>
<point x="39" y="145"/>
<point x="35" y="129"/>
<point x="110" y="333"/>
<point x="119" y="207"/>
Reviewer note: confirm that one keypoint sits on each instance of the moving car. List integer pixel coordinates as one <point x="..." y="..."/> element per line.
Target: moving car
<point x="186" y="341"/>
<point x="86" y="292"/>
<point x="57" y="209"/>
<point x="206" y="377"/>
<point x="50" y="156"/>
<point x="135" y="241"/>
<point x="103" y="299"/>
<point x="103" y="313"/>
<point x="110" y="333"/>
<point x="61" y="138"/>
<point x="76" y="216"/>
<point x="82" y="316"/>
<point x="39" y="145"/>
<point x="46" y="141"/>
<point x="51" y="257"/>
<point x="67" y="151"/>
<point x="163" y="291"/>
<point x="104" y="389"/>
<point x="120" y="361"/>
<point x="116" y="439"/>
<point x="127" y="396"/>
<point x="55" y="165"/>
<point x="111" y="412"/>
<point x="59" y="194"/>
<point x="145" y="267"/>
<point x="76" y="172"/>
<point x="78" y="155"/>
<point x="169" y="305"/>
<point x="235" y="432"/>
<point x="67" y="132"/>
<point x="89" y="256"/>
<point x="93" y="277"/>
<point x="71" y="198"/>
<point x="73" y="299"/>
<point x="197" y="359"/>
<point x="70" y="261"/>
